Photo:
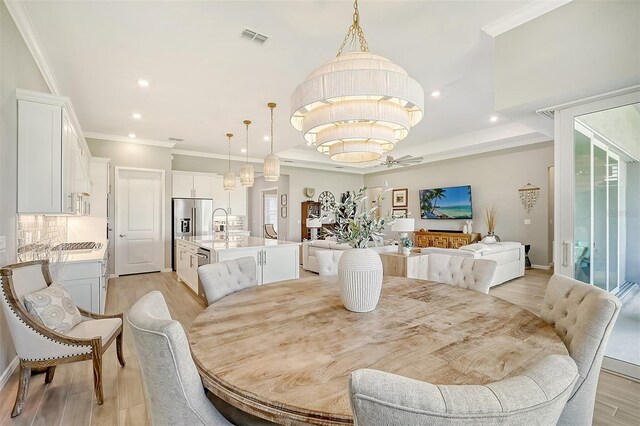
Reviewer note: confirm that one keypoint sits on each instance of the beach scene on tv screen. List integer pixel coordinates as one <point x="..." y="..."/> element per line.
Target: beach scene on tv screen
<point x="446" y="203"/>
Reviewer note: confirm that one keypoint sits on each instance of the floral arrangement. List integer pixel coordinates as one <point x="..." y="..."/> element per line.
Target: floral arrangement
<point x="354" y="223"/>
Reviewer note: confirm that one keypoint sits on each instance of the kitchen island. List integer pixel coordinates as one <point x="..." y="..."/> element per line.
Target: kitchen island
<point x="276" y="260"/>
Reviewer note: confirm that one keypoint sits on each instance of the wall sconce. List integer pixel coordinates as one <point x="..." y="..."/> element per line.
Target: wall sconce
<point x="529" y="195"/>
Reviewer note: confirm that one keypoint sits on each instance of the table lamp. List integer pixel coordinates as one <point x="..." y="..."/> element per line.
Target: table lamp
<point x="314" y="224"/>
<point x="403" y="226"/>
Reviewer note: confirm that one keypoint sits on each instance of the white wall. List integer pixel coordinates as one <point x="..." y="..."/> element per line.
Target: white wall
<point x="140" y="156"/>
<point x="580" y="49"/>
<point x="17" y="70"/>
<point x="495" y="179"/>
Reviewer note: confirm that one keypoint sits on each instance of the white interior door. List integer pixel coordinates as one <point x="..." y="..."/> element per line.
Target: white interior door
<point x="139" y="221"/>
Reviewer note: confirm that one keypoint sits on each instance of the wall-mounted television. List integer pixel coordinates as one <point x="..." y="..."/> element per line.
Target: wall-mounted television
<point x="453" y="202"/>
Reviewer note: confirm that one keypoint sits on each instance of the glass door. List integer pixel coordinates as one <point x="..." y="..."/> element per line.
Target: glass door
<point x="597" y="228"/>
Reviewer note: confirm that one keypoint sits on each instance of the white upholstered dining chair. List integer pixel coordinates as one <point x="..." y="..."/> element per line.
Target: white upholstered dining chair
<point x="39" y="346"/>
<point x="328" y="262"/>
<point x="465" y="272"/>
<point x="536" y="396"/>
<point x="223" y="278"/>
<point x="583" y="315"/>
<point x="173" y="386"/>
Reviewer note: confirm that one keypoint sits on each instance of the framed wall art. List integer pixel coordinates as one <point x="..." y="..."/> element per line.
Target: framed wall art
<point x="399" y="213"/>
<point x="400" y="197"/>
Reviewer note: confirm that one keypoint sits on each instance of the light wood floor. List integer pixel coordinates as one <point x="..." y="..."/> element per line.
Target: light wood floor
<point x="69" y="400"/>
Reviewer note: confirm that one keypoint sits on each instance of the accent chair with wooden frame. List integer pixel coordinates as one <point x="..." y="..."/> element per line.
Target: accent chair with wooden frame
<point x="39" y="347"/>
<point x="270" y="231"/>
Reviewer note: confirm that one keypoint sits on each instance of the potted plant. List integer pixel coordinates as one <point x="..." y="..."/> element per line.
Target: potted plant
<point x="359" y="268"/>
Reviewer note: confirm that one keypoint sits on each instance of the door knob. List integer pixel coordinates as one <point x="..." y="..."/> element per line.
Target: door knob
<point x="123" y="235"/>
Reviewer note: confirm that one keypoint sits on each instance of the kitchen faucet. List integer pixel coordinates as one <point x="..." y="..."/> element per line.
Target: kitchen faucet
<point x="226" y="223"/>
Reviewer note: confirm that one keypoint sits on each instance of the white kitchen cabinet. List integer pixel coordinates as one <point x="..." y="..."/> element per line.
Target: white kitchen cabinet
<point x="238" y="200"/>
<point x="220" y="196"/>
<point x="182" y="185"/>
<point x="86" y="282"/>
<point x="202" y="186"/>
<point x="187" y="264"/>
<point x="234" y="202"/>
<point x="188" y="185"/>
<point x="280" y="263"/>
<point x="99" y="176"/>
<point x="49" y="161"/>
<point x="277" y="263"/>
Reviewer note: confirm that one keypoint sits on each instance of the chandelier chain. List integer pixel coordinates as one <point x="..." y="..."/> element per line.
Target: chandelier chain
<point x="247" y="122"/>
<point x="272" y="106"/>
<point x="355" y="30"/>
<point x="229" y="135"/>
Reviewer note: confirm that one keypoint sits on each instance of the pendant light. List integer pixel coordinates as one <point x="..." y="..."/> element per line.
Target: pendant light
<point x="246" y="171"/>
<point x="229" y="179"/>
<point x="357" y="106"/>
<point x="271" y="161"/>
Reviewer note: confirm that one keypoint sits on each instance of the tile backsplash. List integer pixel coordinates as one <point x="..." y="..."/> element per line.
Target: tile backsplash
<point x="37" y="234"/>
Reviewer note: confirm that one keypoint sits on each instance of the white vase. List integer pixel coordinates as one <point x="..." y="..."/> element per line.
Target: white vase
<point x="406" y="251"/>
<point x="360" y="278"/>
<point x="465" y="230"/>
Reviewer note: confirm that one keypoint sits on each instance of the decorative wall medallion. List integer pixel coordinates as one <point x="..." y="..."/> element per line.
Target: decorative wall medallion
<point x="309" y="192"/>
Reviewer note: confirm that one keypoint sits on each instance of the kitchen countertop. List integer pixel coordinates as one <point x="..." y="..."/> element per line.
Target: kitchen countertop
<point x="237" y="242"/>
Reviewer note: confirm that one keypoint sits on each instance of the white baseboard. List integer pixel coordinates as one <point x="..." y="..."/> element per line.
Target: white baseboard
<point x="113" y="276"/>
<point x="167" y="270"/>
<point x="545" y="267"/>
<point x="9" y="371"/>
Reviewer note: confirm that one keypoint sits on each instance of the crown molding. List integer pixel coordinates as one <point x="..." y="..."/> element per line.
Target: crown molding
<point x="522" y="16"/>
<point x="216" y="156"/>
<point x="25" y="27"/>
<point x="124" y="139"/>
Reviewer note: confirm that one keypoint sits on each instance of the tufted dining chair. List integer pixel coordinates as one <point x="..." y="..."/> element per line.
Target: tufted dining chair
<point x="37" y="345"/>
<point x="536" y="396"/>
<point x="465" y="272"/>
<point x="172" y="384"/>
<point x="223" y="278"/>
<point x="328" y="262"/>
<point x="583" y="315"/>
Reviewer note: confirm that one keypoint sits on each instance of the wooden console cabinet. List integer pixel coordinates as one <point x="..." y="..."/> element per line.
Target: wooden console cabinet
<point x="452" y="240"/>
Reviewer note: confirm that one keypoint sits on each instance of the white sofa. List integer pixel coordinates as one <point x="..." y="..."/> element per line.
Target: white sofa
<point x="508" y="255"/>
<point x="310" y="248"/>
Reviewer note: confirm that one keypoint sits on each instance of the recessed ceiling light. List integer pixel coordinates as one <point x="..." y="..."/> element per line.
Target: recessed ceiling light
<point x="136" y="116"/>
<point x="132" y="135"/>
<point x="243" y="150"/>
<point x="143" y="83"/>
<point x="266" y="138"/>
<point x="435" y="94"/>
<point x="493" y="118"/>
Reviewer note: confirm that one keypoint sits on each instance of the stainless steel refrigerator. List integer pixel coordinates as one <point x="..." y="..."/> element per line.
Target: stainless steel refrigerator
<point x="191" y="217"/>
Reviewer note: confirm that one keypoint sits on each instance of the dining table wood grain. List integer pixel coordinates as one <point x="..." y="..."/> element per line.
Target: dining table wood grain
<point x="284" y="351"/>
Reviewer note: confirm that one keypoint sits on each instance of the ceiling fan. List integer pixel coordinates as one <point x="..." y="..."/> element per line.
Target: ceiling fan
<point x="406" y="160"/>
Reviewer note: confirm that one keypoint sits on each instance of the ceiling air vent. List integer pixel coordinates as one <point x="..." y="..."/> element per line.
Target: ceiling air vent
<point x="176" y="139"/>
<point x="254" y="36"/>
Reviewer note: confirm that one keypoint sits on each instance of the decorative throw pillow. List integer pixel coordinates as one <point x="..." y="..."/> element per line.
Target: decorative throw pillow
<point x="54" y="308"/>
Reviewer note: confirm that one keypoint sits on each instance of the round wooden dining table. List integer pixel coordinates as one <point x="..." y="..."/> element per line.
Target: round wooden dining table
<point x="284" y="351"/>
